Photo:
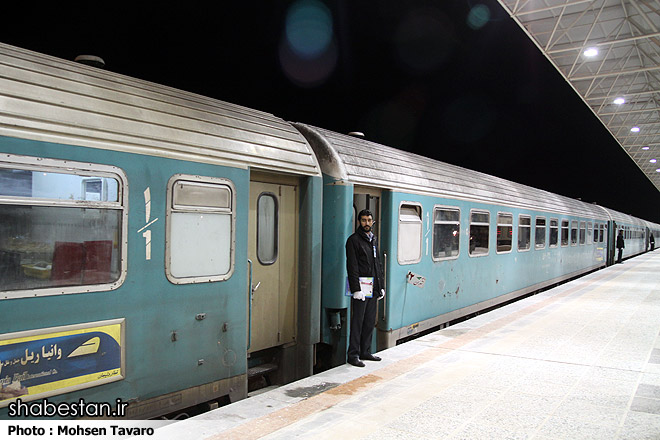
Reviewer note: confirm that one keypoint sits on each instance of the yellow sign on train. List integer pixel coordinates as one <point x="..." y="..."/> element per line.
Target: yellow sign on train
<point x="45" y="362"/>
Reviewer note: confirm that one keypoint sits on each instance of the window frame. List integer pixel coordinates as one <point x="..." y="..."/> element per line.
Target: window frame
<point x="86" y="169"/>
<point x="545" y="228"/>
<point x="170" y="210"/>
<point x="550" y="228"/>
<point x="446" y="208"/>
<point x="568" y="233"/>
<point x="577" y="233"/>
<point x="277" y="228"/>
<point x="497" y="226"/>
<point x="478" y="211"/>
<point x="529" y="243"/>
<point x="582" y="236"/>
<point x="596" y="231"/>
<point x="421" y="233"/>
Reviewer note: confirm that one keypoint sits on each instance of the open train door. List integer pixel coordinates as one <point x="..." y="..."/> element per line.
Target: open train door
<point x="272" y="248"/>
<point x="369" y="198"/>
<point x="611" y="242"/>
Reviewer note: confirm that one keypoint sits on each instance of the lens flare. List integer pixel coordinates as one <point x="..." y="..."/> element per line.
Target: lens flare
<point x="308" y="52"/>
<point x="308" y="28"/>
<point x="478" y="16"/>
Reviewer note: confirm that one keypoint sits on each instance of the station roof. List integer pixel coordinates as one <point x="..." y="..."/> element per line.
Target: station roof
<point x="609" y="52"/>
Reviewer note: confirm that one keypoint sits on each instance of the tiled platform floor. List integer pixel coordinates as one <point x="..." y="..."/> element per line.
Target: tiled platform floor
<point x="581" y="361"/>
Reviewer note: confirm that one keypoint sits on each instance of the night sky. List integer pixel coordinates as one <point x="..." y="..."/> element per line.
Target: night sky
<point x="454" y="80"/>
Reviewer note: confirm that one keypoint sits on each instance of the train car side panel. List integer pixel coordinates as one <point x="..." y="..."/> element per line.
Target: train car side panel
<point x="423" y="291"/>
<point x="177" y="337"/>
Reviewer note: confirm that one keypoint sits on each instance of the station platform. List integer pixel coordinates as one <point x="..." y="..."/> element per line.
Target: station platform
<point x="579" y="361"/>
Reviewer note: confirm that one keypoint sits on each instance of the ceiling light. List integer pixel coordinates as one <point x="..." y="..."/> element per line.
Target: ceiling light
<point x="619" y="101"/>
<point x="645" y="148"/>
<point x="653" y="161"/>
<point x="591" y="52"/>
<point x="635" y="129"/>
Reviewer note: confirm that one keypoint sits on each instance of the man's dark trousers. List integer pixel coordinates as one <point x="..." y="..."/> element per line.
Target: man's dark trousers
<point x="362" y="326"/>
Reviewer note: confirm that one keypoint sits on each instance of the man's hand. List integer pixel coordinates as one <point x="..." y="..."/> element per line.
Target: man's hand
<point x="359" y="295"/>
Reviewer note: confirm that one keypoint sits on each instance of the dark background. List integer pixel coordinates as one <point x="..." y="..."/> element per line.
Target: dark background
<point x="454" y="80"/>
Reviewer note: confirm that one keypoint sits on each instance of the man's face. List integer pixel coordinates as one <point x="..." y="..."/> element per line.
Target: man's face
<point x="366" y="222"/>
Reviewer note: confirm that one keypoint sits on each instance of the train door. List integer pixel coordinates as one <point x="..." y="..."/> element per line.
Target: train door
<point x="369" y="198"/>
<point x="610" y="232"/>
<point x="272" y="248"/>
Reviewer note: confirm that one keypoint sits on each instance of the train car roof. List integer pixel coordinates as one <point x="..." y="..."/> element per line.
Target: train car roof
<point x="366" y="163"/>
<point x="620" y="218"/>
<point x="49" y="99"/>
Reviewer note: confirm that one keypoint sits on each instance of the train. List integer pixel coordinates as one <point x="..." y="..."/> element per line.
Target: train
<point x="164" y="252"/>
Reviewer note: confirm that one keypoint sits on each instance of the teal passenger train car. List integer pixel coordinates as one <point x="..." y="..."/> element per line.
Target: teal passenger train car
<point x="155" y="245"/>
<point x="454" y="241"/>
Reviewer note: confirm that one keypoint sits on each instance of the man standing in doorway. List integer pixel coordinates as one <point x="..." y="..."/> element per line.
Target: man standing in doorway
<point x="362" y="261"/>
<point x="620" y="245"/>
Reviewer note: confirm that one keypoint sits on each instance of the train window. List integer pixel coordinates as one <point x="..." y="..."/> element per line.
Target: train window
<point x="554" y="232"/>
<point x="504" y="232"/>
<point x="539" y="233"/>
<point x="267" y="228"/>
<point x="479" y="231"/>
<point x="200" y="229"/>
<point x="602" y="233"/>
<point x="583" y="232"/>
<point x="589" y="233"/>
<point x="200" y="195"/>
<point x="564" y="232"/>
<point x="574" y="233"/>
<point x="62" y="227"/>
<point x="410" y="234"/>
<point x="446" y="233"/>
<point x="596" y="232"/>
<point x="524" y="232"/>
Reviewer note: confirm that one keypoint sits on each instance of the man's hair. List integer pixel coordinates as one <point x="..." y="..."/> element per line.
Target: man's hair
<point x="365" y="213"/>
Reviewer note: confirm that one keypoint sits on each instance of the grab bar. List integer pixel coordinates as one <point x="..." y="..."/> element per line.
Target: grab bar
<point x="250" y="294"/>
<point x="385" y="285"/>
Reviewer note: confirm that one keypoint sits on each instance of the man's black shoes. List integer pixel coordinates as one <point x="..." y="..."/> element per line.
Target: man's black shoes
<point x="356" y="362"/>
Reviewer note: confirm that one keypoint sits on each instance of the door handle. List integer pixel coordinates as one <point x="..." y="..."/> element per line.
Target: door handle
<point x="254" y="289"/>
